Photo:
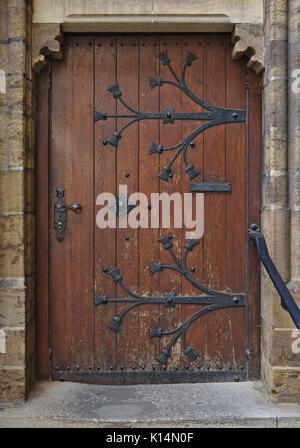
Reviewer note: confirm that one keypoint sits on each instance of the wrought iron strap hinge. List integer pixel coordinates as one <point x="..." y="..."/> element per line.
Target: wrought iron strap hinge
<point x="214" y="116"/>
<point x="213" y="299"/>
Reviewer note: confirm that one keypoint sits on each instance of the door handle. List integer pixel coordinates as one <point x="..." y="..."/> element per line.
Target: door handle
<point x="60" y="214"/>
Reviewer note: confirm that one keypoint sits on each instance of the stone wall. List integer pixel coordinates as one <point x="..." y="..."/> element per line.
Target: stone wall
<point x="280" y="215"/>
<point x="16" y="201"/>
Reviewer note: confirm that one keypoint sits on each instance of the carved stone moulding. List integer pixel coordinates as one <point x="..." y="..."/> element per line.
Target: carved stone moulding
<point x="46" y="40"/>
<point x="248" y="40"/>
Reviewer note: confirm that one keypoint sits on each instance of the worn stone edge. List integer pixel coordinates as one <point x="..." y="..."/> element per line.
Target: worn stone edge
<point x="248" y="40"/>
<point x="46" y="40"/>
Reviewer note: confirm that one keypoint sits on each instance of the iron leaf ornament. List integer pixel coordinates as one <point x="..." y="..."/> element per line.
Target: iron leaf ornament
<point x="211" y="298"/>
<point x="213" y="116"/>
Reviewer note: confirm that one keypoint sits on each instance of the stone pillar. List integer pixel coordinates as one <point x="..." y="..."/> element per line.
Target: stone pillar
<point x="16" y="201"/>
<point x="294" y="140"/>
<point x="280" y="365"/>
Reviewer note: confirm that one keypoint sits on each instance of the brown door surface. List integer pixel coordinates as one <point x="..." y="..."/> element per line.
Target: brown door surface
<point x="135" y="305"/>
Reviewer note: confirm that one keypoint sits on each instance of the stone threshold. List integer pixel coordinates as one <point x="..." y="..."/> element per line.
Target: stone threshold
<point x="218" y="405"/>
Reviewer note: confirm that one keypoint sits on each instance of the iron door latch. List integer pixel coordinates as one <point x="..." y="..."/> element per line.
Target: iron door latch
<point x="60" y="214"/>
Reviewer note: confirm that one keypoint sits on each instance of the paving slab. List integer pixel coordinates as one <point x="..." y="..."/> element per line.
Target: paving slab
<point x="65" y="404"/>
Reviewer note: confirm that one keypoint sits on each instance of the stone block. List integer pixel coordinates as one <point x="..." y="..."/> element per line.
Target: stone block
<point x="276" y="19"/>
<point x="17" y="54"/>
<point x="15" y="347"/>
<point x="12" y="191"/>
<point x="275" y="188"/>
<point x="276" y="57"/>
<point x="284" y="384"/>
<point x="276" y="104"/>
<point x="12" y="383"/>
<point x="15" y="90"/>
<point x="284" y="347"/>
<point x="12" y="307"/>
<point x="16" y="19"/>
<point x="275" y="146"/>
<point x="11" y="245"/>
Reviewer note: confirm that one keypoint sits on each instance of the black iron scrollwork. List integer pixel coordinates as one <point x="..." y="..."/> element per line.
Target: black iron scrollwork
<point x="213" y="116"/>
<point x="213" y="300"/>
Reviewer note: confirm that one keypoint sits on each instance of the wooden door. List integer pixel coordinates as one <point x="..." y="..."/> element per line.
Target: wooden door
<point x="156" y="114"/>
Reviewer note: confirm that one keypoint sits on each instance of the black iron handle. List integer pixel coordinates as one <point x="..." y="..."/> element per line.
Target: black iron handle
<point x="287" y="301"/>
<point x="60" y="214"/>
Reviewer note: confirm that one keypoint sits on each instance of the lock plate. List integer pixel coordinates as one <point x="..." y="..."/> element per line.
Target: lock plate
<point x="60" y="215"/>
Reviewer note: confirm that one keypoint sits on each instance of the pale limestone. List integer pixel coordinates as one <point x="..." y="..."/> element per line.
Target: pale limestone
<point x="70" y="12"/>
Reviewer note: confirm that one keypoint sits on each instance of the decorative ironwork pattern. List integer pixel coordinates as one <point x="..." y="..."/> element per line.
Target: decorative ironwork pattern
<point x="213" y="300"/>
<point x="214" y="116"/>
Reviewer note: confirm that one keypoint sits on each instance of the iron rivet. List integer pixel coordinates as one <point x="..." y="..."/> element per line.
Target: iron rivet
<point x="198" y="367"/>
<point x="133" y="367"/>
<point x="242" y="367"/>
<point x="149" y="205"/>
<point x="192" y="144"/>
<point x="176" y="367"/>
<point x="77" y="44"/>
<point x="121" y="367"/>
<point x="143" y="367"/>
<point x="56" y="367"/>
<point x="105" y="270"/>
<point x="104" y="142"/>
<point x="68" y="367"/>
<point x="90" y="367"/>
<point x="99" y="45"/>
<point x="111" y="367"/>
<point x="235" y="115"/>
<point x="77" y="367"/>
<point x="235" y="300"/>
<point x="98" y="367"/>
<point x="192" y="269"/>
<point x="127" y="238"/>
<point x="171" y="175"/>
<point x="164" y="367"/>
<point x="153" y="367"/>
<point x="127" y="174"/>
